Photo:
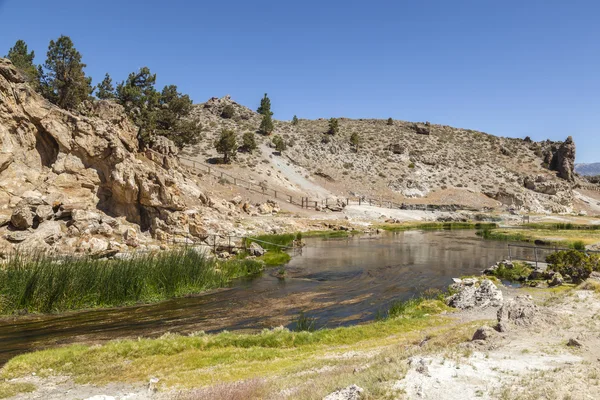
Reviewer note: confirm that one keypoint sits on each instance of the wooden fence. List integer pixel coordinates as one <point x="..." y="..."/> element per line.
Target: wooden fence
<point x="307" y="202"/>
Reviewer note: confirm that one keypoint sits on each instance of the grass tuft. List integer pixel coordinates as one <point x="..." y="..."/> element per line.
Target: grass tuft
<point x="42" y="284"/>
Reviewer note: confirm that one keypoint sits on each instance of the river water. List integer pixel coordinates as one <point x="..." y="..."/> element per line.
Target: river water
<point x="337" y="281"/>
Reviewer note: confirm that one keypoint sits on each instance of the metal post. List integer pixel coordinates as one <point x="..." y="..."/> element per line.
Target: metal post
<point x="291" y="202"/>
<point x="275" y="193"/>
<point x="359" y="201"/>
<point x="315" y="205"/>
<point x="536" y="256"/>
<point x="509" y="253"/>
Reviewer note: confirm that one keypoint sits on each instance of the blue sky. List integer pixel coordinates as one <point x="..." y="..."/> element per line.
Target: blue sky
<point x="510" y="68"/>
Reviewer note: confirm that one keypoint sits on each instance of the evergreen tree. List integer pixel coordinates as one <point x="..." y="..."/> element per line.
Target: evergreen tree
<point x="140" y="100"/>
<point x="63" y="80"/>
<point x="390" y="121"/>
<point x="248" y="142"/>
<point x="355" y="140"/>
<point x="266" y="125"/>
<point x="171" y="121"/>
<point x="334" y="126"/>
<point x="279" y="143"/>
<point x="226" y="144"/>
<point x="157" y="113"/>
<point x="295" y="120"/>
<point x="23" y="60"/>
<point x="105" y="89"/>
<point x="265" y="106"/>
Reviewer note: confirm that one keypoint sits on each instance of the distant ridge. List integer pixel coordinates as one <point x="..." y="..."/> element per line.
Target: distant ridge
<point x="590" y="169"/>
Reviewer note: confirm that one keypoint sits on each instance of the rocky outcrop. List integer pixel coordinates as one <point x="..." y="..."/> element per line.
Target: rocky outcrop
<point x="563" y="160"/>
<point x="83" y="170"/>
<point x="518" y="311"/>
<point x="473" y="293"/>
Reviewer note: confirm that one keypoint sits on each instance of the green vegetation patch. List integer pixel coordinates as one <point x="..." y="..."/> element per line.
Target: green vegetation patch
<point x="570" y="238"/>
<point x="519" y="271"/>
<point x="43" y="284"/>
<point x="9" y="389"/>
<point x="191" y="361"/>
<point x="438" y="226"/>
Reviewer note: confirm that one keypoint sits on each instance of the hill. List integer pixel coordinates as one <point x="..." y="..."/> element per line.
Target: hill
<point x="411" y="163"/>
<point x="591" y="169"/>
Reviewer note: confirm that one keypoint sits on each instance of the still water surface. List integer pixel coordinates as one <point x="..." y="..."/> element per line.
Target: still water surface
<point x="337" y="281"/>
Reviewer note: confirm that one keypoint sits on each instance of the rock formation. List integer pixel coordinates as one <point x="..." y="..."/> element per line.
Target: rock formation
<point x="563" y="160"/>
<point x="82" y="174"/>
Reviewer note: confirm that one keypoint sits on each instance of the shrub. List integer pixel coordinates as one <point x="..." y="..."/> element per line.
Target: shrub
<point x="334" y="126"/>
<point x="576" y="264"/>
<point x="248" y="142"/>
<point x="304" y="323"/>
<point x="228" y="111"/>
<point x="295" y="120"/>
<point x="355" y="140"/>
<point x="390" y="121"/>
<point x="279" y="143"/>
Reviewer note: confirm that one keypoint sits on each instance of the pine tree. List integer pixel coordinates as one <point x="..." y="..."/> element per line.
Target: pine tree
<point x="23" y="60"/>
<point x="334" y="126"/>
<point x="105" y="89"/>
<point x="355" y="140"/>
<point x="265" y="106"/>
<point x="390" y="121"/>
<point x="171" y="117"/>
<point x="279" y="143"/>
<point x="228" y="111"/>
<point x="295" y="120"/>
<point x="248" y="142"/>
<point x="157" y="113"/>
<point x="226" y="144"/>
<point x="266" y="125"/>
<point x="140" y="100"/>
<point x="63" y="78"/>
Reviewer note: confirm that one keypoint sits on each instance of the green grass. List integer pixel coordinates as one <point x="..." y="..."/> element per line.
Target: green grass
<point x="9" y="389"/>
<point x="275" y="258"/>
<point x="328" y="234"/>
<point x="195" y="360"/>
<point x="277" y="241"/>
<point x="569" y="238"/>
<point x="42" y="284"/>
<point x="438" y="226"/>
<point x="519" y="272"/>
<point x="563" y="226"/>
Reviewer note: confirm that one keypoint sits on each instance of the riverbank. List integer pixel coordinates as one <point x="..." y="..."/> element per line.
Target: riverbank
<point x="421" y="352"/>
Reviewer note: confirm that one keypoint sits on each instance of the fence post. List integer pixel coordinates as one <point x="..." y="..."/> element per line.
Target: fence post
<point x="536" y="256"/>
<point x="209" y="170"/>
<point x="275" y="193"/>
<point x="291" y="202"/>
<point x="315" y="205"/>
<point x="369" y="201"/>
<point x="509" y="253"/>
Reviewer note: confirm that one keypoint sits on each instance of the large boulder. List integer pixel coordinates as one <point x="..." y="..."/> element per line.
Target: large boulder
<point x="22" y="217"/>
<point x="517" y="311"/>
<point x="474" y="293"/>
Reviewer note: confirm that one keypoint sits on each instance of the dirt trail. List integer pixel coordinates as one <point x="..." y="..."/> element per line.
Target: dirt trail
<point x="295" y="174"/>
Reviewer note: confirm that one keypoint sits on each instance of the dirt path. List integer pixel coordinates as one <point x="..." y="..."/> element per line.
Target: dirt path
<point x="295" y="174"/>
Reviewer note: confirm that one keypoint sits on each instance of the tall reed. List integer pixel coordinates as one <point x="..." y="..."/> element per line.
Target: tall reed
<point x="38" y="283"/>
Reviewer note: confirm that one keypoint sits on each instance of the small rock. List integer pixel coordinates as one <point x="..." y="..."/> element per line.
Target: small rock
<point x="256" y="249"/>
<point x="352" y="392"/>
<point x="519" y="311"/>
<point x="574" y="343"/>
<point x="484" y="333"/>
<point x="17" y="237"/>
<point x="22" y="217"/>
<point x="557" y="280"/>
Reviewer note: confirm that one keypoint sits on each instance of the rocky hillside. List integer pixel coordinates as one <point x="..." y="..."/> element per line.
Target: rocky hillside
<point x="78" y="181"/>
<point x="592" y="169"/>
<point x="407" y="162"/>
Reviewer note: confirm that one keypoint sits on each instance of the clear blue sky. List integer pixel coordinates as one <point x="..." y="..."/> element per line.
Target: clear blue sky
<point x="510" y="68"/>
